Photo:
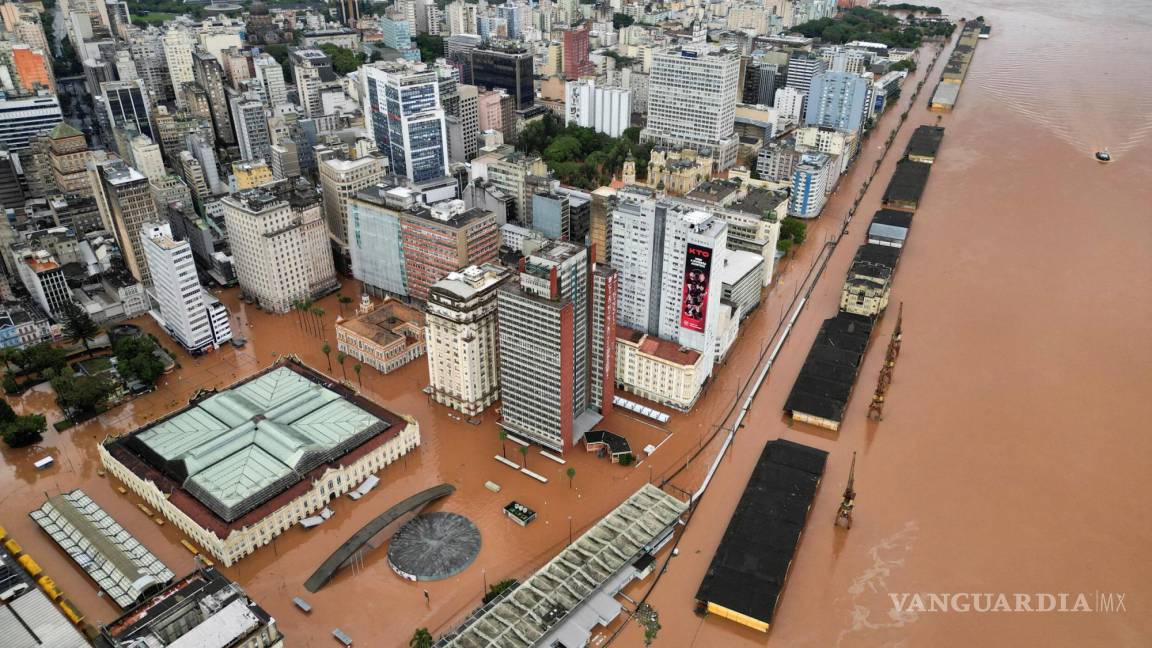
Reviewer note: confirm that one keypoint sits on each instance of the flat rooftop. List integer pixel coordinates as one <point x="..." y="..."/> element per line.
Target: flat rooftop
<point x="828" y="376"/>
<point x="385" y="325"/>
<point x="229" y="458"/>
<point x="650" y="345"/>
<point x="750" y="568"/>
<point x="925" y="141"/>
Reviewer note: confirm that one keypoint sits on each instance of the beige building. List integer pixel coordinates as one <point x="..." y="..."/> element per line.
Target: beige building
<point x="280" y="246"/>
<point x="461" y="337"/>
<point x="340" y="179"/>
<point x="236" y="468"/>
<point x="386" y="338"/>
<point x="124" y="199"/>
<point x="658" y="370"/>
<point x="678" y="171"/>
<point x="251" y="174"/>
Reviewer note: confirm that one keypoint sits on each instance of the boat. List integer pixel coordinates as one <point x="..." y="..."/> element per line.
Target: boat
<point x="1103" y="156"/>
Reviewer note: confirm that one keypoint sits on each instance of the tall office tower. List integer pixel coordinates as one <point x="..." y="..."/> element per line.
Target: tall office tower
<point x="68" y="156"/>
<point x="802" y="66"/>
<point x="349" y="12"/>
<point x="125" y="203"/>
<point x="790" y="104"/>
<point x="552" y="216"/>
<point x="759" y="83"/>
<point x="402" y="105"/>
<point x="460" y="338"/>
<point x="251" y="121"/>
<point x="506" y="68"/>
<point x="469" y="120"/>
<point x="576" y="48"/>
<point x="342" y="179"/>
<point x="605" y="109"/>
<point x="280" y="244"/>
<point x="810" y="182"/>
<point x="178" y="46"/>
<point x="461" y="17"/>
<point x="448" y="86"/>
<point x="145" y="157"/>
<point x="602" y="350"/>
<point x="44" y="279"/>
<point x="510" y="175"/>
<point x="546" y="337"/>
<point x="270" y="77"/>
<point x="311" y="68"/>
<point x="692" y="101"/>
<point x="23" y="116"/>
<point x="434" y="18"/>
<point x="147" y="50"/>
<point x="443" y="238"/>
<point x="669" y="256"/>
<point x="375" y="246"/>
<point x="600" y="223"/>
<point x="838" y="100"/>
<point x="210" y="76"/>
<point x="396" y="33"/>
<point x="511" y="15"/>
<point x="176" y="289"/>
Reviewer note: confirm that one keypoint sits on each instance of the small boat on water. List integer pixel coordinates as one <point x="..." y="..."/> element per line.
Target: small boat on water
<point x="1103" y="156"/>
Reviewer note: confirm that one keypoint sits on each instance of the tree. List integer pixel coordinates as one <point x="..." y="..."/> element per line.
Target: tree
<point x="794" y="229"/>
<point x="39" y="357"/>
<point x="571" y="473"/>
<point x="431" y="47"/>
<point x="356" y="368"/>
<point x="648" y="619"/>
<point x="136" y="358"/>
<point x="343" y="60"/>
<point x="84" y="394"/>
<point x="420" y="639"/>
<point x="499" y="588"/>
<point x="318" y="313"/>
<point x="344" y="301"/>
<point x="619" y="20"/>
<point x="327" y="349"/>
<point x="524" y="454"/>
<point x="78" y="326"/>
<point x="503" y="447"/>
<point x="24" y="430"/>
<point x="907" y="64"/>
<point x="6" y="413"/>
<point x="340" y="355"/>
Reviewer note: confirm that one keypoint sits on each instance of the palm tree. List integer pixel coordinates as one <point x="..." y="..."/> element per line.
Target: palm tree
<point x="319" y="314"/>
<point x="571" y="473"/>
<point x="420" y="639"/>
<point x="344" y="301"/>
<point x="296" y="307"/>
<point x="357" y="367"/>
<point x="327" y="349"/>
<point x="340" y="355"/>
<point x="524" y="453"/>
<point x="503" y="447"/>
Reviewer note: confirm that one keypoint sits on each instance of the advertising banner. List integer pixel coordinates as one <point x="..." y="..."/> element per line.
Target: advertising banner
<point x="697" y="270"/>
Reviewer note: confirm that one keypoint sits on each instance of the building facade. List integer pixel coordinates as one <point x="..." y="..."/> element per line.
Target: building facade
<point x="403" y="112"/>
<point x="386" y="338"/>
<point x="124" y="198"/>
<point x="178" y="294"/>
<point x="442" y="238"/>
<point x="692" y="101"/>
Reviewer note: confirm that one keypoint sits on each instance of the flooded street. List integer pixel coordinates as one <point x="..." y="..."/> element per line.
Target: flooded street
<point x="1014" y="452"/>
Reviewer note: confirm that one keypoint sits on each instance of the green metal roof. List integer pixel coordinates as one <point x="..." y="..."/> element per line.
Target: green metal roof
<point x="242" y="446"/>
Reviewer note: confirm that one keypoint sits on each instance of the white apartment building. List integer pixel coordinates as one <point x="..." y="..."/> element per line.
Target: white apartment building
<point x="178" y="46"/>
<point x="250" y="119"/>
<point x="340" y="180"/>
<point x="146" y="157"/>
<point x="280" y="245"/>
<point x="790" y="104"/>
<point x="605" y="109"/>
<point x="270" y="76"/>
<point x="692" y="101"/>
<point x="460" y="337"/>
<point x="659" y="370"/>
<point x="178" y="294"/>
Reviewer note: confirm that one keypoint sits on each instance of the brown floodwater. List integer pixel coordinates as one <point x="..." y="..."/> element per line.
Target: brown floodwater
<point x="1014" y="450"/>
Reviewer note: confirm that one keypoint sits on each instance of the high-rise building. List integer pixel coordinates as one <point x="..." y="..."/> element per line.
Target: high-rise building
<point x="506" y="68"/>
<point x="146" y="48"/>
<point x="342" y="179"/>
<point x="461" y="18"/>
<point x="605" y="109"/>
<point x="469" y="117"/>
<point x="669" y="256"/>
<point x="460" y="337"/>
<point x="692" y="101"/>
<point x="210" y="76"/>
<point x="810" y="181"/>
<point x="280" y="244"/>
<point x="311" y="67"/>
<point x="838" y="100"/>
<point x="789" y="102"/>
<point x="349" y="12"/>
<point x="178" y="46"/>
<point x="44" y="279"/>
<point x="442" y="238"/>
<point x="374" y="238"/>
<point x="576" y="48"/>
<point x="402" y="106"/>
<point x="547" y="334"/>
<point x="802" y="66"/>
<point x="145" y="157"/>
<point x="125" y="202"/>
<point x="251" y="122"/>
<point x="269" y="75"/>
<point x="126" y="108"/>
<point x="68" y="155"/>
<point x="23" y="116"/>
<point x="552" y="216"/>
<point x="178" y="294"/>
<point x="510" y="175"/>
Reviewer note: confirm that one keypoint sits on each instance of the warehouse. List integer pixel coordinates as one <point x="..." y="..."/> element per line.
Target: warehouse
<point x="890" y="227"/>
<point x="907" y="185"/>
<point x="751" y="565"/>
<point x="824" y="385"/>
<point x="924" y="144"/>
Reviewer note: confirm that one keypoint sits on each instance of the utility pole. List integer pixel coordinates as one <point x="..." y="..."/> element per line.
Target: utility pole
<point x="844" y="514"/>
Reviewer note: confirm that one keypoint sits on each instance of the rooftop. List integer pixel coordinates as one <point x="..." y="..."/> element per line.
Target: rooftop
<point x="737" y="265"/>
<point x="666" y="350"/>
<point x="386" y="324"/>
<point x="471" y="281"/>
<point x="925" y="141"/>
<point x="231" y="457"/>
<point x="748" y="573"/>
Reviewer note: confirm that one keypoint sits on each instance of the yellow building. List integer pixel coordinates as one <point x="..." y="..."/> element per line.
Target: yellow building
<point x="678" y="171"/>
<point x="251" y="174"/>
<point x="386" y="338"/>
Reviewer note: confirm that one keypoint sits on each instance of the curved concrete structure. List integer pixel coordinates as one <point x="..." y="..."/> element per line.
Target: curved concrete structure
<point x="328" y="569"/>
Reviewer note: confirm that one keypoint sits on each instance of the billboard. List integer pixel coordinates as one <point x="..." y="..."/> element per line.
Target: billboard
<point x="697" y="271"/>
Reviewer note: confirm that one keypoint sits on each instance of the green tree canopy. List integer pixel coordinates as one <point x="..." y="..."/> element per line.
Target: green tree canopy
<point x="24" y="430"/>
<point x="78" y="326"/>
<point x="343" y="60"/>
<point x="136" y="359"/>
<point x="619" y="20"/>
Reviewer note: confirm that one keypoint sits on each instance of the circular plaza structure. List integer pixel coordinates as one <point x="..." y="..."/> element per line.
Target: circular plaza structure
<point x="434" y="546"/>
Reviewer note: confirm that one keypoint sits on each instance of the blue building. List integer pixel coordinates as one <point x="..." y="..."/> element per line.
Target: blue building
<point x="810" y="182"/>
<point x="404" y="115"/>
<point x="374" y="238"/>
<point x="552" y="216"/>
<point x="838" y="100"/>
<point x="397" y="34"/>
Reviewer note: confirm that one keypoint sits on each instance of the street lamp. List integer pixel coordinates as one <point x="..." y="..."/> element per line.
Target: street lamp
<point x="569" y="530"/>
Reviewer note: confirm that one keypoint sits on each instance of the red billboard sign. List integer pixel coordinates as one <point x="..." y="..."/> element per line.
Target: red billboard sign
<point x="697" y="271"/>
